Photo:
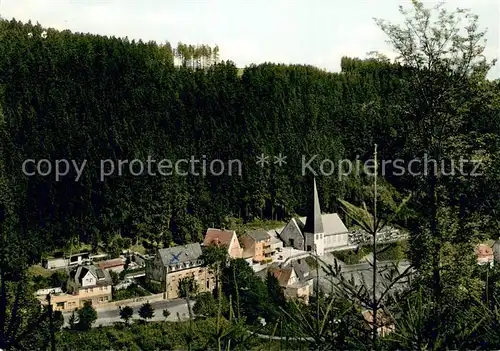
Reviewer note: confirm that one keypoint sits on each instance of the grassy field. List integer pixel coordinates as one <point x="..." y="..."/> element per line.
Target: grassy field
<point x="138" y="248"/>
<point x="38" y="270"/>
<point x="242" y="228"/>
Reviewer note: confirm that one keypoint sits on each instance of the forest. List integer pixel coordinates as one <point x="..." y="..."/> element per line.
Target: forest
<point x="86" y="97"/>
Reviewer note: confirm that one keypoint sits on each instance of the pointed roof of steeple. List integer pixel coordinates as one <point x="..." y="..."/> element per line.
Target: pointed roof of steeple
<point x="314" y="223"/>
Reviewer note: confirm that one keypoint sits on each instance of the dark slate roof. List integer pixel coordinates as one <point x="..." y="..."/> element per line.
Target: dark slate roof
<point x="259" y="235"/>
<point x="77" y="274"/>
<point x="301" y="269"/>
<point x="180" y="254"/>
<point x="300" y="223"/>
<point x="314" y="222"/>
<point x="362" y="275"/>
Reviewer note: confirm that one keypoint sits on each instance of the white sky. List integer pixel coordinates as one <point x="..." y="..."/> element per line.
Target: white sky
<point x="316" y="32"/>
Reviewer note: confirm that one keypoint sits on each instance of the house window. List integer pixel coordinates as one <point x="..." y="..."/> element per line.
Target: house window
<point x="100" y="299"/>
<point x="309" y="248"/>
<point x="105" y="298"/>
<point x="208" y="283"/>
<point x="292" y="242"/>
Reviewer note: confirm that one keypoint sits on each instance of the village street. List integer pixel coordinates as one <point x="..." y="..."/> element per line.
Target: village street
<point x="110" y="316"/>
<point x="178" y="307"/>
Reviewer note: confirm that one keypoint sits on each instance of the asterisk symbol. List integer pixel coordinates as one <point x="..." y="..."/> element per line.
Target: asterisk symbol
<point x="262" y="160"/>
<point x="280" y="160"/>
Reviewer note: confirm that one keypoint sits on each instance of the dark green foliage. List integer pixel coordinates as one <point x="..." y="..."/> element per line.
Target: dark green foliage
<point x="275" y="291"/>
<point x="153" y="336"/>
<point x="207" y="306"/>
<point x="248" y="291"/>
<point x="87" y="316"/>
<point x="146" y="311"/>
<point x="129" y="292"/>
<point x="188" y="287"/>
<point x="87" y="97"/>
<point x="114" y="277"/>
<point x="126" y="313"/>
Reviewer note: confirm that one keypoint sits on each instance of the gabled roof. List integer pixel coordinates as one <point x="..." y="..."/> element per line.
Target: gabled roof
<point x="282" y="274"/>
<point x="301" y="269"/>
<point x="258" y="235"/>
<point x="314" y="222"/>
<point x="78" y="273"/>
<point x="111" y="263"/>
<point x="218" y="236"/>
<point x="332" y="224"/>
<point x="300" y="222"/>
<point x="180" y="254"/>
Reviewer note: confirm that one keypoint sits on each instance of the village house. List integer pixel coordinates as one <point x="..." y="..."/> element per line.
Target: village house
<point x="257" y="246"/>
<point x="318" y="233"/>
<point x="291" y="284"/>
<point x="116" y="265"/>
<point x="484" y="254"/>
<point x="303" y="272"/>
<point x="224" y="238"/>
<point x="85" y="283"/>
<point x="170" y="265"/>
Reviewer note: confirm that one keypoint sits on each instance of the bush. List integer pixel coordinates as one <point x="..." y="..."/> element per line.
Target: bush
<point x="130" y="292"/>
<point x="146" y="311"/>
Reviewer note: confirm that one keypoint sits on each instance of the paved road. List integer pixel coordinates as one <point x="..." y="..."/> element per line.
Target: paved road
<point x="108" y="317"/>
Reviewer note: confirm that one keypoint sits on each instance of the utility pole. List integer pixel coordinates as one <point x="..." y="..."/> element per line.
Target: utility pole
<point x="51" y="320"/>
<point x="374" y="250"/>
<point x="3" y="301"/>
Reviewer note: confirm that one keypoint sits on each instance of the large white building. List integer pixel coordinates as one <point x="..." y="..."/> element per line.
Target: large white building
<point x="318" y="233"/>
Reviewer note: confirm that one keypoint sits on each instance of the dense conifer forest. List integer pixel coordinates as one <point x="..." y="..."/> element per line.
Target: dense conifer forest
<point x="86" y="97"/>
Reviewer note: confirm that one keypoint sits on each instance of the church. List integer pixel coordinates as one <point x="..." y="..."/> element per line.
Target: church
<point x="318" y="233"/>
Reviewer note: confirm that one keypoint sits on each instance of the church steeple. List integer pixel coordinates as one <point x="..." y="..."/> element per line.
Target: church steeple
<point x="314" y="223"/>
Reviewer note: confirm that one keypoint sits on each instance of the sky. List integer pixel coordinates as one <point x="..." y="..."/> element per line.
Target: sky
<point x="315" y="32"/>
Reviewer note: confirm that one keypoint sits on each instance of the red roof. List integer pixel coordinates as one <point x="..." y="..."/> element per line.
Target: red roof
<point x="282" y="274"/>
<point x="111" y="263"/>
<point x="218" y="236"/>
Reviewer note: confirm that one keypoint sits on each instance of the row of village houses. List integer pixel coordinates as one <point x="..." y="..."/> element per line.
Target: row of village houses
<point x="280" y="252"/>
<point x="92" y="282"/>
<point x="275" y="251"/>
<point x="168" y="266"/>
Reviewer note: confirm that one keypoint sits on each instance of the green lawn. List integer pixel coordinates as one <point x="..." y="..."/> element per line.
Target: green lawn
<point x="138" y="248"/>
<point x="38" y="270"/>
<point x="241" y="228"/>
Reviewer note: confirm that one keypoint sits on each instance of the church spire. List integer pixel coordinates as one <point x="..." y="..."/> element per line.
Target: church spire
<point x="314" y="223"/>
